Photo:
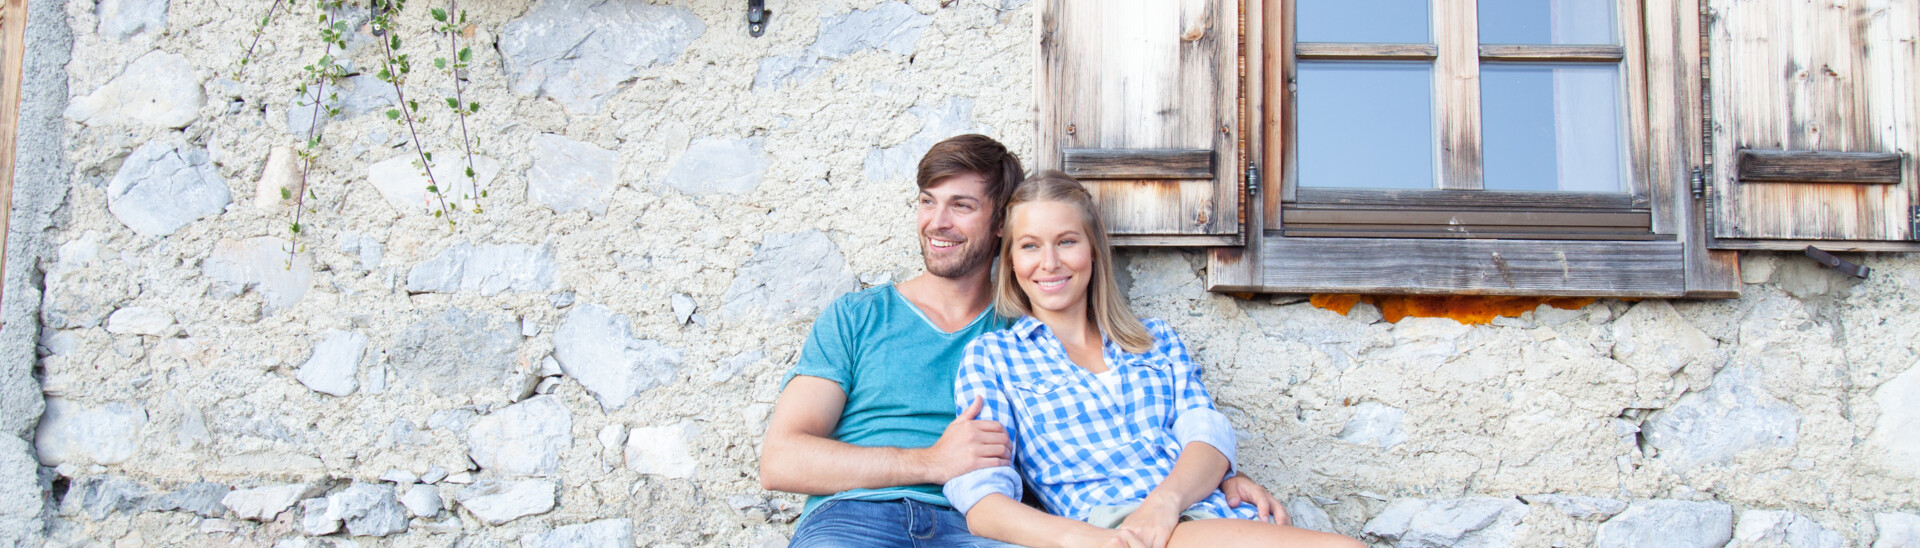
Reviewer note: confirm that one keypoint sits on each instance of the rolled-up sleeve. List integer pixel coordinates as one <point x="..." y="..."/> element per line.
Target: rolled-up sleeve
<point x="1195" y="418"/>
<point x="979" y="377"/>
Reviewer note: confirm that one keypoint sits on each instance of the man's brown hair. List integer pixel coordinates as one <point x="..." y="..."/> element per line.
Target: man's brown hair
<point x="977" y="154"/>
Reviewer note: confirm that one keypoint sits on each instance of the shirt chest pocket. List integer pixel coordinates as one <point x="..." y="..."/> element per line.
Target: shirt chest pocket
<point x="1054" y="403"/>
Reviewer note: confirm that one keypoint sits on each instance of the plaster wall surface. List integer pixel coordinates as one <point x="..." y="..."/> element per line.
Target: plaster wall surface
<point x="593" y="354"/>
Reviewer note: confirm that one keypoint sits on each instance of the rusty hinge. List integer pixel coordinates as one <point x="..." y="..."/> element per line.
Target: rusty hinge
<point x="1914" y="219"/>
<point x="1699" y="184"/>
<point x="1253" y="179"/>
<point x="757" y="15"/>
<point x="1836" y="263"/>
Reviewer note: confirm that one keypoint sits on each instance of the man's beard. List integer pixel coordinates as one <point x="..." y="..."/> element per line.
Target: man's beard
<point x="973" y="256"/>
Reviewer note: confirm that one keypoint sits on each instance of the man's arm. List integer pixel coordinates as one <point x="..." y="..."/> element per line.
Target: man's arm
<point x="801" y="456"/>
<point x="1004" y="519"/>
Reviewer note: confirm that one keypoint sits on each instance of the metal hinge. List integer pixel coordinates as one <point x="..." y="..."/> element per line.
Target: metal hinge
<point x="1914" y="230"/>
<point x="1699" y="184"/>
<point x="757" y="15"/>
<point x="1253" y="179"/>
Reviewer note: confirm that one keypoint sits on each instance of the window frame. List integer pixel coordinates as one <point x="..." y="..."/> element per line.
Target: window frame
<point x="1669" y="260"/>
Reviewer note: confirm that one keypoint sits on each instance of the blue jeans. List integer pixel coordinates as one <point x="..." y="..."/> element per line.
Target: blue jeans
<point x="885" y="523"/>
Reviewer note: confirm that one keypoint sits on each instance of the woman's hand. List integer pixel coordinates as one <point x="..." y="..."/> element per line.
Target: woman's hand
<point x="1240" y="489"/>
<point x="1153" y="521"/>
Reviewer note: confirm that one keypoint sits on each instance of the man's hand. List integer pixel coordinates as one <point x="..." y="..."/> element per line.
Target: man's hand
<point x="1153" y="521"/>
<point x="967" y="445"/>
<point x="1239" y="489"/>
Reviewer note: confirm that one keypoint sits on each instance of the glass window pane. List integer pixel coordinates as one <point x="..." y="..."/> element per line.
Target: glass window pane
<point x="1546" y="22"/>
<point x="1551" y="127"/>
<point x="1366" y="125"/>
<point x="1371" y="21"/>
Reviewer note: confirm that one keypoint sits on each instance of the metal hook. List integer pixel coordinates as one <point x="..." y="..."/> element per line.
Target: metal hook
<point x="757" y="15"/>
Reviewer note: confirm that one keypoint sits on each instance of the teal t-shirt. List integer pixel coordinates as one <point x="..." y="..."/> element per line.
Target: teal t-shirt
<point x="897" y="370"/>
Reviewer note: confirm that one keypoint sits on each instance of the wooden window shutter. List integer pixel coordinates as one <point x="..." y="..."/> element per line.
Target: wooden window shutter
<point x="1139" y="100"/>
<point x="1813" y="109"/>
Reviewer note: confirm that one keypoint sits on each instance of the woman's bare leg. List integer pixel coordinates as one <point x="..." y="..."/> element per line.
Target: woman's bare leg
<point x="1214" y="533"/>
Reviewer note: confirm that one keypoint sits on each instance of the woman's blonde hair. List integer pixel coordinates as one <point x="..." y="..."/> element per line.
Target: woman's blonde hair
<point x="1107" y="308"/>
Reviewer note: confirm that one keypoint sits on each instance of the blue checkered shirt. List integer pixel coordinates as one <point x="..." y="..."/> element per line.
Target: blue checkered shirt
<point x="1076" y="443"/>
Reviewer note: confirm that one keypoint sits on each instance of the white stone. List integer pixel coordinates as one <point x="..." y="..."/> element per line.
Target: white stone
<point x="1675" y="523"/>
<point x="612" y="436"/>
<point x="400" y="477"/>
<point x="732" y="366"/>
<point x="1896" y="433"/>
<point x="264" y="264"/>
<point x="72" y="432"/>
<point x="581" y="52"/>
<point x="404" y="185"/>
<point x="1652" y="336"/>
<point x="1896" y="530"/>
<point x="334" y="367"/>
<point x="1733" y="415"/>
<point x="789" y="276"/>
<point x="315" y="542"/>
<point x="486" y="269"/>
<point x="1467" y="522"/>
<point x="596" y="347"/>
<point x="163" y="185"/>
<point x="1374" y="423"/>
<point x="369" y="509"/>
<point x="368" y="249"/>
<point x="462" y="355"/>
<point x="122" y="19"/>
<point x="606" y="533"/>
<point x="900" y="162"/>
<point x="1769" y="528"/>
<point x="422" y="500"/>
<point x="524" y="439"/>
<point x="317" y="518"/>
<point x="683" y="307"/>
<point x="1579" y="507"/>
<point x="1303" y="513"/>
<point x="139" y="320"/>
<point x="264" y="503"/>
<point x="663" y="450"/>
<point x="497" y="502"/>
<point x="569" y="175"/>
<point x="434" y="474"/>
<point x="353" y="97"/>
<point x="159" y="89"/>
<point x="101" y="496"/>
<point x="719" y="165"/>
<point x="200" y="498"/>
<point x="892" y="26"/>
<point x="281" y="175"/>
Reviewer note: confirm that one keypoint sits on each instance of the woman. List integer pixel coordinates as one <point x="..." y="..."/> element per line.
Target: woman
<point x="1108" y="418"/>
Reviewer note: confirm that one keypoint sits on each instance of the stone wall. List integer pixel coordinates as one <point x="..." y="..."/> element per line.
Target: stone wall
<point x="668" y="203"/>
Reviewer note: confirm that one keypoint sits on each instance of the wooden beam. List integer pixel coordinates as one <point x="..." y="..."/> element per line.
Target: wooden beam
<point x="1473" y="267"/>
<point x="1457" y="95"/>
<point x="1457" y="199"/>
<point x="1802" y="166"/>
<point x="1331" y="51"/>
<point x="13" y="49"/>
<point x="1553" y="53"/>
<point x="1624" y="219"/>
<point x="1101" y="163"/>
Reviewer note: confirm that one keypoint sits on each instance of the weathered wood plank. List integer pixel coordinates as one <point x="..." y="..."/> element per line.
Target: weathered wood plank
<point x="1454" y="199"/>
<point x="1331" y="51"/>
<point x="1098" y="163"/>
<point x="13" y="36"/>
<point x="1812" y="76"/>
<point x="1675" y="111"/>
<point x="1474" y="267"/>
<point x="1144" y="205"/>
<point x="1480" y="218"/>
<point x="1553" y="52"/>
<point x="1462" y="232"/>
<point x="1144" y="75"/>
<point x="1809" y="166"/>
<point x="1457" y="94"/>
<point x="1237" y="264"/>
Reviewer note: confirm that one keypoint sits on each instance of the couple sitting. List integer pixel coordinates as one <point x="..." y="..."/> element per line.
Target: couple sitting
<point x="1104" y="413"/>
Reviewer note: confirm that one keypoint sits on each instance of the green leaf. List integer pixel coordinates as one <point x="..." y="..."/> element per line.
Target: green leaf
<point x="439" y="14"/>
<point x="470" y="176"/>
<point x="286" y="194"/>
<point x="393" y="114"/>
<point x="436" y="214"/>
<point x="466" y="54"/>
<point x="296" y="228"/>
<point x="439" y="62"/>
<point x="475" y="107"/>
<point x="453" y="103"/>
<point x="413" y="105"/>
<point x="393" y="40"/>
<point x="432" y="188"/>
<point x="483" y="193"/>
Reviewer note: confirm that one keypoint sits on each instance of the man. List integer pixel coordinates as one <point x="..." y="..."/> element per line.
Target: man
<point x="865" y="423"/>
